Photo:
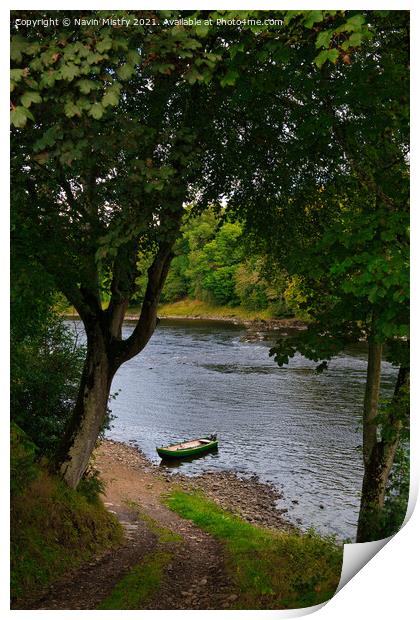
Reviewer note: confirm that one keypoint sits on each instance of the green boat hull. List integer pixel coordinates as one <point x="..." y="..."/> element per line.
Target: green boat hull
<point x="180" y="454"/>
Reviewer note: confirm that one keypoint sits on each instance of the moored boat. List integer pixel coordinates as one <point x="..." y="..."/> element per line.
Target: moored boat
<point x="190" y="447"/>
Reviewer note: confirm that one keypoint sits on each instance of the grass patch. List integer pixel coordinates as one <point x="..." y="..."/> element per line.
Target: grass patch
<point x="53" y="528"/>
<point x="194" y="308"/>
<point x="200" y="309"/>
<point x="140" y="584"/>
<point x="272" y="570"/>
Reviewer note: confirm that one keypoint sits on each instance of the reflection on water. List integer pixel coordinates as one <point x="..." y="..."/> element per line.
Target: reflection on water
<point x="293" y="427"/>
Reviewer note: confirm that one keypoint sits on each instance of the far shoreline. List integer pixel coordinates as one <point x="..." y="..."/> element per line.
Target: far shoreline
<point x="249" y="323"/>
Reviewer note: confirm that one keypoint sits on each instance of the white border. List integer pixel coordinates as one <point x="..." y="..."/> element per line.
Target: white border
<point x="387" y="586"/>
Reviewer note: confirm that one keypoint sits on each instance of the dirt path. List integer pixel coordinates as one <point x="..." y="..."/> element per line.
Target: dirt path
<point x="195" y="578"/>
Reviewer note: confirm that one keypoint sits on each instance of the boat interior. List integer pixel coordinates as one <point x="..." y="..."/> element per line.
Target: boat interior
<point x="194" y="443"/>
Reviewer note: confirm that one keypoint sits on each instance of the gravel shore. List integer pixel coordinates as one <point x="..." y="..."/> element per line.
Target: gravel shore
<point x="248" y="497"/>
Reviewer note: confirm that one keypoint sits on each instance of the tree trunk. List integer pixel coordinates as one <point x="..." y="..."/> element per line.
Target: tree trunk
<point x="89" y="412"/>
<point x="378" y="453"/>
<point x="106" y="351"/>
<point x="372" y="482"/>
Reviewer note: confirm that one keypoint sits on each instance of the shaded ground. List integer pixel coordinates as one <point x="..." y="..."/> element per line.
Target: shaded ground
<point x="196" y="577"/>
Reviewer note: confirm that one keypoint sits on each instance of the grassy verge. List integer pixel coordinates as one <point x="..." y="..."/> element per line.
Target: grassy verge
<point x="272" y="570"/>
<point x="196" y="309"/>
<point x="53" y="527"/>
<point x="201" y="309"/>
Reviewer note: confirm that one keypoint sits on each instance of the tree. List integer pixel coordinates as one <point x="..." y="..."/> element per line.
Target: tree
<point x="333" y="209"/>
<point x="103" y="169"/>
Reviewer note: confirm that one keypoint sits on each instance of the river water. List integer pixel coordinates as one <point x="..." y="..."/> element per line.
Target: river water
<point x="290" y="426"/>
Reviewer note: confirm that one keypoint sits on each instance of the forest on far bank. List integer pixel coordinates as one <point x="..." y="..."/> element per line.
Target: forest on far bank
<point x="215" y="263"/>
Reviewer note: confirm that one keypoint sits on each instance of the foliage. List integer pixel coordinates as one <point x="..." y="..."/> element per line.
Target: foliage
<point x="163" y="40"/>
<point x="338" y="220"/>
<point x="23" y="452"/>
<point x="46" y="364"/>
<point x="91" y="486"/>
<point x="53" y="528"/>
<point x="396" y="500"/>
<point x="272" y="570"/>
<point x="213" y="264"/>
<point x="176" y="285"/>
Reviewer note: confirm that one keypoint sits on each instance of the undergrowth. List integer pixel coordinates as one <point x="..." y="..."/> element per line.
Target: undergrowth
<point x="53" y="528"/>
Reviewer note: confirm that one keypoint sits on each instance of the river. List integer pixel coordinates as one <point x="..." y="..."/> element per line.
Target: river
<point x="290" y="426"/>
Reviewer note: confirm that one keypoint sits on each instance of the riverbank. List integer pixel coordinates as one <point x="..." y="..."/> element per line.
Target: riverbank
<point x="189" y="309"/>
<point x="215" y="541"/>
<point x="254" y="501"/>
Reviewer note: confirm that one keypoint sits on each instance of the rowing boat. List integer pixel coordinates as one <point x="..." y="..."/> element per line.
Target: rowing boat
<point x="188" y="448"/>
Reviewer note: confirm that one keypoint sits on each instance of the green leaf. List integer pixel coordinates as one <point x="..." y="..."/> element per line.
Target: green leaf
<point x="312" y="18"/>
<point x="192" y="76"/>
<point x="119" y="43"/>
<point x="333" y="55"/>
<point x="125" y="71"/>
<point x="85" y="86"/>
<point x="291" y="15"/>
<point x="324" y="38"/>
<point x="20" y="115"/>
<point x="111" y="96"/>
<point x="321" y="58"/>
<point x="230" y="78"/>
<point x="104" y="45"/>
<point x="356" y="22"/>
<point x="17" y="45"/>
<point x="92" y="58"/>
<point x="133" y="57"/>
<point x="71" y="109"/>
<point x="96" y="111"/>
<point x="69" y="72"/>
<point x="49" y="138"/>
<point x="355" y="39"/>
<point x="17" y="74"/>
<point x="83" y="103"/>
<point x="202" y="30"/>
<point x="29" y="97"/>
<point x="48" y="79"/>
